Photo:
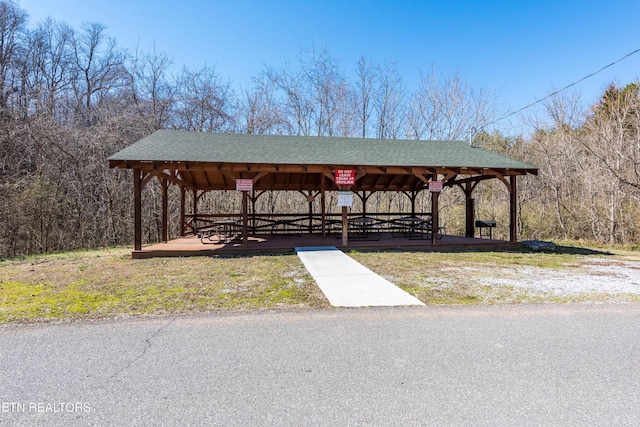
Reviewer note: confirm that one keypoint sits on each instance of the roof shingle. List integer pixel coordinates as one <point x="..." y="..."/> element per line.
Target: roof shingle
<point x="184" y="146"/>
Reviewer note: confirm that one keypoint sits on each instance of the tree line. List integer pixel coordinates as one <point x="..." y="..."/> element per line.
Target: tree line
<point x="70" y="98"/>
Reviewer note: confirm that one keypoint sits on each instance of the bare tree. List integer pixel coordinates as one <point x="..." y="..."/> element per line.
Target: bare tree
<point x="328" y="87"/>
<point x="100" y="67"/>
<point x="389" y="102"/>
<point x="152" y="89"/>
<point x="297" y="102"/>
<point x="262" y="110"/>
<point x="316" y="98"/>
<point x="446" y="108"/>
<point x="12" y="33"/>
<point x="612" y="137"/>
<point x="52" y="71"/>
<point x="205" y="102"/>
<point x="365" y="85"/>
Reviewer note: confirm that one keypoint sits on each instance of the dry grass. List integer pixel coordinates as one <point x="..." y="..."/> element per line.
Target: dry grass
<point x="108" y="283"/>
<point x="462" y="277"/>
<point x="102" y="283"/>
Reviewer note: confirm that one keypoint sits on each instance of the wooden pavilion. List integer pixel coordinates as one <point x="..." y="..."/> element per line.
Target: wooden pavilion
<point x="253" y="164"/>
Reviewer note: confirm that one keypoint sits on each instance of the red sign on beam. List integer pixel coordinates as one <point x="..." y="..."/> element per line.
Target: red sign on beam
<point x="244" y="184"/>
<point x="435" y="186"/>
<point x="345" y="177"/>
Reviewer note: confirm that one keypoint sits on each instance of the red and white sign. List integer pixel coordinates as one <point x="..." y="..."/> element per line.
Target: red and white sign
<point x="244" y="184"/>
<point x="345" y="177"/>
<point x="435" y="186"/>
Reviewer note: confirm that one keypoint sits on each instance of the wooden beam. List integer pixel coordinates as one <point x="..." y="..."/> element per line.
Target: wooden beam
<point x="245" y="220"/>
<point x="270" y="167"/>
<point x="164" y="185"/>
<point x="513" y="208"/>
<point x="323" y="207"/>
<point x="259" y="175"/>
<point x="376" y="183"/>
<point x="404" y="180"/>
<point x="151" y="174"/>
<point x="118" y="164"/>
<point x="329" y="175"/>
<point x="194" y="223"/>
<point x="310" y="204"/>
<point x="230" y="176"/>
<point x="257" y="195"/>
<point x="449" y="176"/>
<point x="475" y="179"/>
<point x="470" y="209"/>
<point x="160" y="173"/>
<point x="137" y="209"/>
<point x="435" y="215"/>
<point x="504" y="181"/>
<point x="182" y="210"/>
<point x="422" y="178"/>
<point x="345" y="225"/>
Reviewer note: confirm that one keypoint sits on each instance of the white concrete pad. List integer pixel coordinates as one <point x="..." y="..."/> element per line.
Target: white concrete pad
<point x="347" y="283"/>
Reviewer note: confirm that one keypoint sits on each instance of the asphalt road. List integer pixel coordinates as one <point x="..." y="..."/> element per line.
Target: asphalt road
<point x="502" y="365"/>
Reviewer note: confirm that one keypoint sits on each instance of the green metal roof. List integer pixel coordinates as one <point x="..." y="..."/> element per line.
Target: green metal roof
<point x="183" y="146"/>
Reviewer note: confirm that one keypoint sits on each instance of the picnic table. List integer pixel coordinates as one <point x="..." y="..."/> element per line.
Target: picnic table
<point x="222" y="231"/>
<point x="361" y="228"/>
<point x="411" y="227"/>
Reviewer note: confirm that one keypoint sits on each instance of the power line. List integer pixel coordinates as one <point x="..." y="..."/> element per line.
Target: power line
<point x="563" y="89"/>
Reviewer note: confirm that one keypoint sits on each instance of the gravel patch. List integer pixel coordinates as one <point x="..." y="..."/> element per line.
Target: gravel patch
<point x="595" y="275"/>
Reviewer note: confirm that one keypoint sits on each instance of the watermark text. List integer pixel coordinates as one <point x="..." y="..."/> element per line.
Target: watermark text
<point x="44" y="407"/>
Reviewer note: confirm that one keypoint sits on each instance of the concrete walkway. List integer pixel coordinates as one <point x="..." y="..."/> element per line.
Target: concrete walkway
<point x="347" y="283"/>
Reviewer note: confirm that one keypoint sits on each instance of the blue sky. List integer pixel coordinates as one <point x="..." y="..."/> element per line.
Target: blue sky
<point x="521" y="49"/>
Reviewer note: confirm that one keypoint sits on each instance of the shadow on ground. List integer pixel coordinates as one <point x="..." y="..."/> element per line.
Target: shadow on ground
<point x="572" y="250"/>
<point x="569" y="250"/>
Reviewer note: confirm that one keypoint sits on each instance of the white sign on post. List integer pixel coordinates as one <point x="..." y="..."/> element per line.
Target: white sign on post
<point x="345" y="198"/>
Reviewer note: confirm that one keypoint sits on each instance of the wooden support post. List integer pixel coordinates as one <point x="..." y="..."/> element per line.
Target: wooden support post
<point x="345" y="218"/>
<point x="310" y="213"/>
<point x="435" y="217"/>
<point x="194" y="224"/>
<point x="245" y="220"/>
<point x="253" y="211"/>
<point x="345" y="225"/>
<point x="364" y="203"/>
<point x="470" y="218"/>
<point x="164" y="185"/>
<point x="137" y="209"/>
<point x="323" y="208"/>
<point x="182" y="210"/>
<point x="513" y="226"/>
<point x="470" y="210"/>
<point x="414" y="195"/>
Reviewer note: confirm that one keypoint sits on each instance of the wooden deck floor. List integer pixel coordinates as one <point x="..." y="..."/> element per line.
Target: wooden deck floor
<point x="192" y="246"/>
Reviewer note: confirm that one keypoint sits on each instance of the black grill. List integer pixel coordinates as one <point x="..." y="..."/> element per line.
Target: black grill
<point x="486" y="223"/>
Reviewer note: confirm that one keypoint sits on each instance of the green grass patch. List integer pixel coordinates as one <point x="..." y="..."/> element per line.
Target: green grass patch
<point x="103" y="283"/>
